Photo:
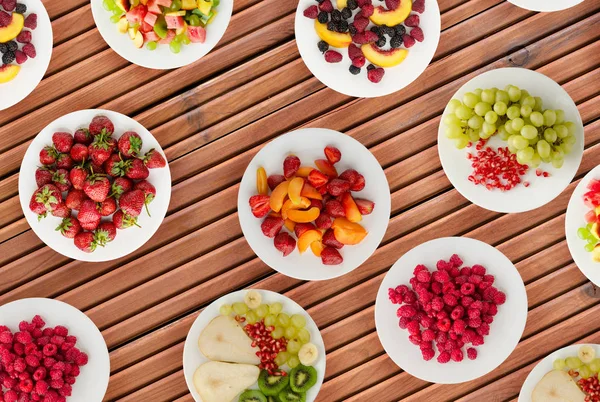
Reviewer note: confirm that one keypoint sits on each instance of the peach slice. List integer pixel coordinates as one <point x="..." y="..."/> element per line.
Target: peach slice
<point x="317" y="247"/>
<point x="289" y="225"/>
<point x="348" y="233"/>
<point x="15" y="27"/>
<point x="307" y="238"/>
<point x="325" y="167"/>
<point x="294" y="190"/>
<point x="309" y="191"/>
<point x="278" y="195"/>
<point x="289" y="205"/>
<point x="384" y="58"/>
<point x="261" y="181"/>
<point x="383" y="16"/>
<point x="350" y="208"/>
<point x="8" y="72"/>
<point x="335" y="39"/>
<point x="304" y="171"/>
<point x="300" y="216"/>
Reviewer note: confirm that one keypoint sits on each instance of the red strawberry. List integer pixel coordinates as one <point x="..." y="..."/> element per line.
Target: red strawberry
<point x="311" y="12"/>
<point x="375" y="75"/>
<point x="31" y="21"/>
<point x="291" y="164"/>
<point x="79" y="153"/>
<point x="412" y="21"/>
<point x="61" y="211"/>
<point x="326" y="6"/>
<point x="75" y="198"/>
<point x="285" y="243"/>
<point x="418" y="6"/>
<point x="100" y="123"/>
<point x="330" y="240"/>
<point x="349" y="175"/>
<point x="271" y="226"/>
<point x="77" y="175"/>
<point x="408" y="40"/>
<point x="260" y="205"/>
<point x="107" y="207"/>
<point x="317" y="179"/>
<point x="274" y="180"/>
<point x="124" y="221"/>
<point x="135" y="169"/>
<point x="331" y="56"/>
<point x="153" y="159"/>
<point x="338" y="187"/>
<point x="359" y="184"/>
<point x="417" y="34"/>
<point x="130" y="144"/>
<point x="96" y="187"/>
<point x="62" y="141"/>
<point x="132" y="202"/>
<point x="365" y="207"/>
<point x="101" y="148"/>
<point x="316" y="204"/>
<point x="393" y="4"/>
<point x="330" y="256"/>
<point x="106" y="232"/>
<point x="360" y="23"/>
<point x="354" y="52"/>
<point x="48" y="155"/>
<point x="95" y="168"/>
<point x="300" y="228"/>
<point x="69" y="227"/>
<point x="323" y="221"/>
<point x="86" y="241"/>
<point x="64" y="161"/>
<point x="332" y="154"/>
<point x="43" y="176"/>
<point x="88" y="215"/>
<point x="335" y="209"/>
<point x="44" y="200"/>
<point x="83" y="136"/>
<point x="120" y="185"/>
<point x="114" y="166"/>
<point x="149" y="192"/>
<point x="60" y="179"/>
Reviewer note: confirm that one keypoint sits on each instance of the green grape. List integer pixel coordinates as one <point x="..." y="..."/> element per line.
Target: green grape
<point x="502" y="96"/>
<point x="557" y="163"/>
<point x="537" y="119"/>
<point x="512" y="149"/>
<point x="451" y="119"/>
<point x="583" y="233"/>
<point x="117" y="12"/>
<point x="550" y="135"/>
<point x="519" y="142"/>
<point x="488" y="130"/>
<point x="252" y="317"/>
<point x="571" y="127"/>
<point x="528" y="101"/>
<point x="491" y="117"/>
<point x="290" y="332"/>
<point x="535" y="161"/>
<point x="454" y="131"/>
<point x="566" y="148"/>
<point x="282" y="358"/>
<point x="151" y="45"/>
<point x="185" y="40"/>
<point x="543" y="148"/>
<point x="500" y="108"/>
<point x="529" y="132"/>
<point x="573" y="362"/>
<point x="473" y="135"/>
<point x="514" y="93"/>
<point x="488" y="96"/>
<point x="517" y="124"/>
<point x="549" y="118"/>
<point x="225" y="309"/>
<point x="538" y="104"/>
<point x="175" y="47"/>
<point x="526" y="110"/>
<point x="175" y="5"/>
<point x="525" y="154"/>
<point x="277" y="333"/>
<point x="589" y="248"/>
<point x="293" y="347"/>
<point x="570" y="139"/>
<point x="509" y="129"/>
<point x="585" y="372"/>
<point x="463" y="112"/>
<point x="275" y="308"/>
<point x="592" y="240"/>
<point x="494" y="90"/>
<point x="589" y="226"/>
<point x="560" y="116"/>
<point x="270" y="320"/>
<point x="511" y="141"/>
<point x="503" y="133"/>
<point x="178" y="38"/>
<point x="262" y="311"/>
<point x="482" y="108"/>
<point x="524" y="94"/>
<point x="561" y="131"/>
<point x="293" y="362"/>
<point x="194" y="20"/>
<point x="559" y="364"/>
<point x="470" y="99"/>
<point x="283" y="319"/>
<point x="513" y="112"/>
<point x="533" y="141"/>
<point x="115" y="18"/>
<point x="108" y="5"/>
<point x="478" y="92"/>
<point x="298" y="321"/>
<point x="461" y="142"/>
<point x="475" y="122"/>
<point x="303" y="335"/>
<point x="240" y="308"/>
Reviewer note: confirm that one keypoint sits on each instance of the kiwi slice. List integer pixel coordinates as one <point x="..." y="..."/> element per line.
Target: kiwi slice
<point x="272" y="385"/>
<point x="302" y="378"/>
<point x="272" y="399"/>
<point x="288" y="395"/>
<point x="252" y="395"/>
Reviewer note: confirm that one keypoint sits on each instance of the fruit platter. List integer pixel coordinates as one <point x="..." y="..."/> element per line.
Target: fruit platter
<point x="314" y="204"/>
<point x="162" y="34"/>
<point x="569" y="374"/>
<point x="510" y="140"/>
<point x="254" y="346"/>
<point x="49" y="350"/>
<point x="451" y="310"/>
<point x="367" y="48"/>
<point x="25" y="48"/>
<point x="90" y="178"/>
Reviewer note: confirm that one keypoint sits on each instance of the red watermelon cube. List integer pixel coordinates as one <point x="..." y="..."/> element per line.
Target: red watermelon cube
<point x="174" y="21"/>
<point x="136" y="14"/>
<point x="196" y="34"/>
<point x="150" y="19"/>
<point x="169" y="38"/>
<point x="164" y="3"/>
<point x="154" y="7"/>
<point x="151" y="36"/>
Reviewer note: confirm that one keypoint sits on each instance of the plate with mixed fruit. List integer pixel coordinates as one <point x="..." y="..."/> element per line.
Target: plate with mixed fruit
<point x="582" y="225"/>
<point x="569" y="374"/>
<point x="451" y="310"/>
<point x="254" y="346"/>
<point x="367" y="48"/>
<point x="162" y="34"/>
<point x="25" y="48"/>
<point x="49" y="350"/>
<point x="91" y="177"/>
<point x="545" y="5"/>
<point x="314" y="204"/>
<point x="510" y="140"/>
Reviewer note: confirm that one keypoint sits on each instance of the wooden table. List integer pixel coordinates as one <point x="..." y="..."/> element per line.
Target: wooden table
<point x="213" y="116"/>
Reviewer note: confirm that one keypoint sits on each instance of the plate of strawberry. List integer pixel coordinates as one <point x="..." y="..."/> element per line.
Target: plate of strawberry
<point x="93" y="176"/>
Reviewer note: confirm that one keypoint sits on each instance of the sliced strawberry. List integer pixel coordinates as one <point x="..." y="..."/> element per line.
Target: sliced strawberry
<point x="274" y="180"/>
<point x="317" y="179"/>
<point x="284" y="243"/>
<point x="332" y="154"/>
<point x="300" y="228"/>
<point x="330" y="240"/>
<point x="330" y="256"/>
<point x="323" y="221"/>
<point x="271" y="226"/>
<point x="291" y="164"/>
<point x="338" y="187"/>
<point x="364" y="206"/>
<point x="260" y="205"/>
<point x="594" y="185"/>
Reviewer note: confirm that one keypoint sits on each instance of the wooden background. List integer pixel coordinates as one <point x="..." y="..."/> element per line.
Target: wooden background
<point x="213" y="116"/>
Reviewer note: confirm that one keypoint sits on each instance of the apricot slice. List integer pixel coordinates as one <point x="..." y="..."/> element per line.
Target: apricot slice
<point x="350" y="208"/>
<point x="348" y="233"/>
<point x="384" y="58"/>
<point x="325" y="167"/>
<point x="15" y="27"/>
<point x="310" y="192"/>
<point x="383" y="16"/>
<point x="289" y="205"/>
<point x="304" y="171"/>
<point x="317" y="247"/>
<point x="335" y="39"/>
<point x="278" y="195"/>
<point x="300" y="216"/>
<point x="289" y="225"/>
<point x="261" y="181"/>
<point x="294" y="190"/>
<point x="307" y="238"/>
<point x="8" y="72"/>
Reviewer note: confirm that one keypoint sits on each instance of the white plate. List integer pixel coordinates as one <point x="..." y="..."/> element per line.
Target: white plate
<point x="308" y="144"/>
<point x="161" y="58"/>
<point x="574" y="220"/>
<point x="545" y="5"/>
<point x="92" y="383"/>
<point x="127" y="240"/>
<point x="33" y="70"/>
<point x="505" y="331"/>
<point x="336" y="75"/>
<point x="545" y="366"/>
<point x="542" y="189"/>
<point x="193" y="358"/>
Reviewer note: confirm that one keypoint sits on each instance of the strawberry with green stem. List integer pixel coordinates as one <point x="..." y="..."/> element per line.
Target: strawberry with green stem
<point x="124" y="221"/>
<point x="119" y="186"/>
<point x="106" y="232"/>
<point x="86" y="241"/>
<point x="102" y="147"/>
<point x="130" y="144"/>
<point x="153" y="159"/>
<point x="60" y="179"/>
<point x="43" y="175"/>
<point x="132" y="202"/>
<point x="44" y="200"/>
<point x="69" y="227"/>
<point x="97" y="187"/>
<point x="149" y="192"/>
<point x="48" y="155"/>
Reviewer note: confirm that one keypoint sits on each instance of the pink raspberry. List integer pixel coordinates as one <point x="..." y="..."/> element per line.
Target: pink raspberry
<point x="441" y="337"/>
<point x="24" y="37"/>
<point x="403" y="322"/>
<point x="26" y="386"/>
<point x="20" y="365"/>
<point x="441" y="276"/>
<point x="457" y="355"/>
<point x="428" y="354"/>
<point x="70" y="379"/>
<point x="436" y="288"/>
<point x="427" y="322"/>
<point x="483" y="329"/>
<point x="71" y="339"/>
<point x="29" y="50"/>
<point x="452" y="335"/>
<point x="413" y="328"/>
<point x="402" y="289"/>
<point x="39" y="373"/>
<point x="440" y="315"/>
<point x="75" y="370"/>
<point x="57" y="340"/>
<point x="36" y="333"/>
<point x="472" y="353"/>
<point x="484" y="285"/>
<point x="489" y="293"/>
<point x="499" y="298"/>
<point x="41" y="387"/>
<point x="474" y="313"/>
<point x="460" y="280"/>
<point x="66" y="390"/>
<point x="475" y="279"/>
<point x="57" y="383"/>
<point x="450" y="300"/>
<point x="406" y="311"/>
<point x="59" y="366"/>
<point x="38" y="322"/>
<point x="11" y="395"/>
<point x="488" y="278"/>
<point x="19" y="348"/>
<point x="459" y="327"/>
<point x="61" y="331"/>
<point x="408" y="40"/>
<point x="478" y="305"/>
<point x="413" y="20"/>
<point x="31" y="21"/>
<point x="418" y="6"/>
<point x="326" y="6"/>
<point x="467" y="289"/>
<point x="367" y="10"/>
<point x="32" y="361"/>
<point x="23" y="337"/>
<point x="375" y="75"/>
<point x="444" y="324"/>
<point x="423" y="276"/>
<point x="56" y="374"/>
<point x="478" y="270"/>
<point x="43" y="340"/>
<point x="442" y="265"/>
<point x="410" y="297"/>
<point x="394" y="296"/>
<point x="466" y="271"/>
<point x="428" y="335"/>
<point x="444" y="357"/>
<point x="437" y="304"/>
<point x="5" y="19"/>
<point x="415" y="339"/>
<point x="455" y="260"/>
<point x="360" y="23"/>
<point x="478" y="340"/>
<point x="6" y="337"/>
<point x="49" y="362"/>
<point x="311" y="12"/>
<point x="9" y="5"/>
<point x="417" y="34"/>
<point x="457" y="312"/>
<point x="493" y="310"/>
<point x="359" y="61"/>
<point x="362" y="3"/>
<point x="454" y="272"/>
<point x="474" y="322"/>
<point x="49" y="332"/>
<point x="424" y="296"/>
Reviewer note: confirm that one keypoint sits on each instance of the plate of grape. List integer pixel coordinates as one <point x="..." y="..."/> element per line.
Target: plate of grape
<point x="510" y="140"/>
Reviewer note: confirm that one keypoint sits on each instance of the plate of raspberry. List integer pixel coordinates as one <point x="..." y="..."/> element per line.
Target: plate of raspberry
<point x="45" y="322"/>
<point x="545" y="5"/>
<point x="470" y="315"/>
<point x="25" y="48"/>
<point x="73" y="200"/>
<point x="364" y="229"/>
<point x="365" y="49"/>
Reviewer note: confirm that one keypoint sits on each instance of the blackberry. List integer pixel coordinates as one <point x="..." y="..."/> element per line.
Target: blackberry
<point x="376" y="30"/>
<point x="3" y="48"/>
<point x="382" y="41"/>
<point x="346" y="13"/>
<point x="400" y="30"/>
<point x="8" y="57"/>
<point x="389" y="31"/>
<point x="354" y="70"/>
<point x="320" y="1"/>
<point x="371" y="67"/>
<point x="342" y="27"/>
<point x="332" y="26"/>
<point x="323" y="17"/>
<point x="336" y="15"/>
<point x="12" y="46"/>
<point x="352" y="4"/>
<point x="323" y="46"/>
<point x="396" y="41"/>
<point x="352" y="29"/>
<point x="21" y="8"/>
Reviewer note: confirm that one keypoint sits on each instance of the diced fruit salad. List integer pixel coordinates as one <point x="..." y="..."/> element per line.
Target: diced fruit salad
<point x="364" y="28"/>
<point x="591" y="232"/>
<point x="98" y="175"/>
<point x="154" y="22"/>
<point x="534" y="135"/>
<point x="16" y="28"/>
<point x="314" y="204"/>
<point x="584" y="370"/>
<point x="453" y="307"/>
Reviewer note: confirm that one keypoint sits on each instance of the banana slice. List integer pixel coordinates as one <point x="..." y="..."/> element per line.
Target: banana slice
<point x="586" y="354"/>
<point x="253" y="299"/>
<point x="308" y="354"/>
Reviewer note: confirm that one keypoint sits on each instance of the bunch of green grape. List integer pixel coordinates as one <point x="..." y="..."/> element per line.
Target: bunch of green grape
<point x="535" y="135"/>
<point x="584" y="233"/>
<point x="574" y="363"/>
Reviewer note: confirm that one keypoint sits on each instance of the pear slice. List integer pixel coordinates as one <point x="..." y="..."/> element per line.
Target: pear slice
<point x="557" y="386"/>
<point x="222" y="382"/>
<point x="223" y="339"/>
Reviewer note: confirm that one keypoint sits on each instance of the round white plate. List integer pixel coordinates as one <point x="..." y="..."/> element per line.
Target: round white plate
<point x="545" y="366"/>
<point x="33" y="70"/>
<point x="127" y="240"/>
<point x="161" y="58"/>
<point x="545" y="5"/>
<point x="336" y="75"/>
<point x="308" y="144"/>
<point x="505" y="331"/>
<point x="574" y="220"/>
<point x="92" y="383"/>
<point x="193" y="358"/>
<point x="542" y="190"/>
